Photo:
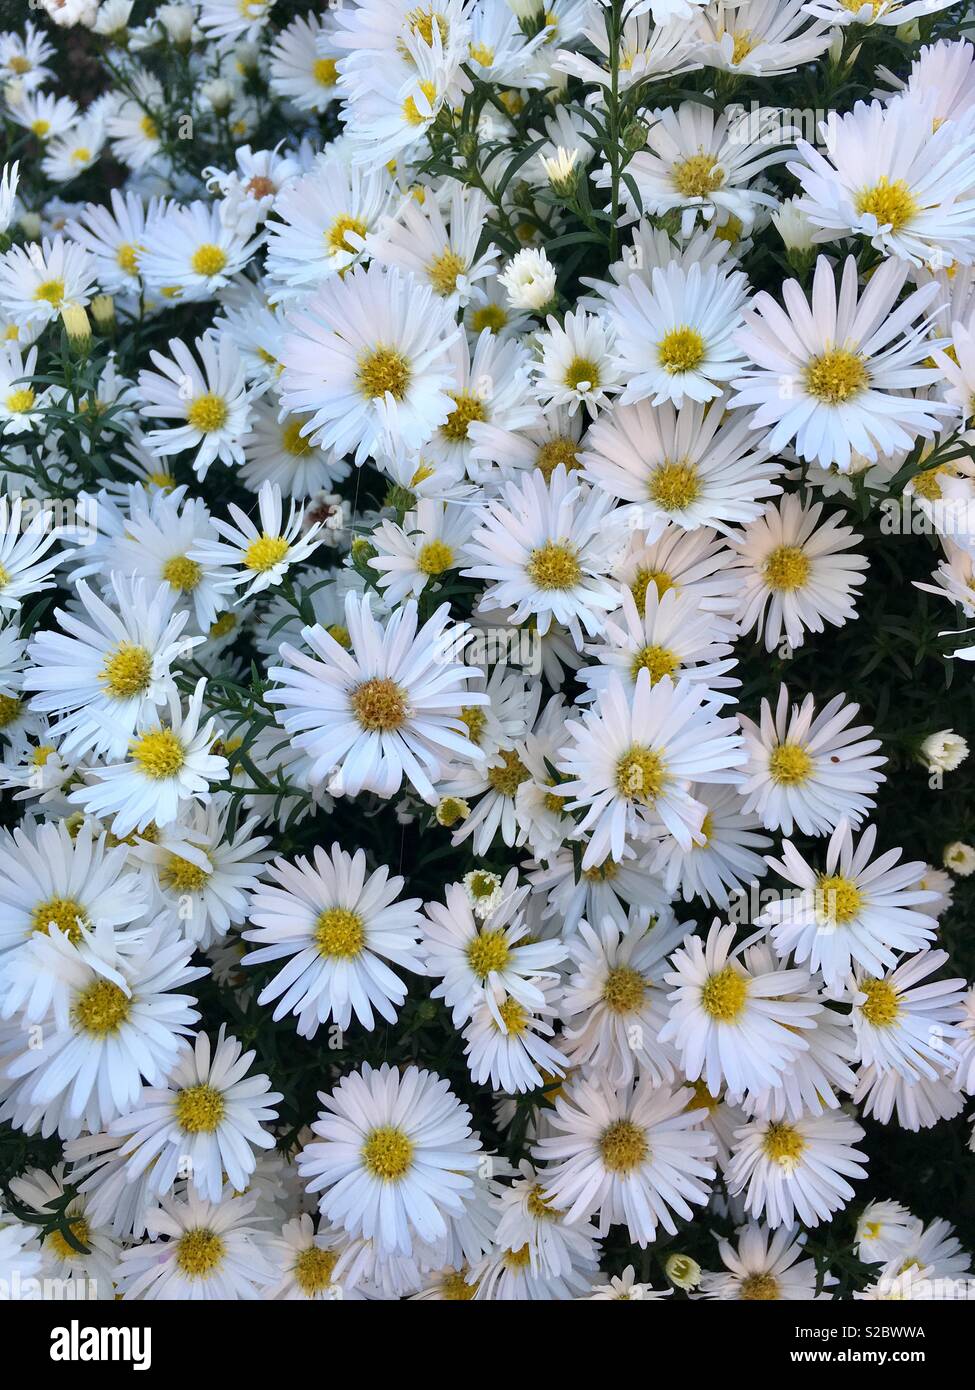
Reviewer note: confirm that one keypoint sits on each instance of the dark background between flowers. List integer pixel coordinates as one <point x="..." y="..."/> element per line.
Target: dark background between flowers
<point x="891" y="661"/>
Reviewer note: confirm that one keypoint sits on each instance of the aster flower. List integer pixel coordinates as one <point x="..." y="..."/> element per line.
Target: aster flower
<point x="384" y="707"/>
<point x="209" y="402"/>
<point x="850" y="365"/>
<point x="201" y="1250"/>
<point x="336" y="928"/>
<point x="763" y="1265"/>
<point x="636" y="1156"/>
<point x="391" y="1157"/>
<point x="796" y="1169"/>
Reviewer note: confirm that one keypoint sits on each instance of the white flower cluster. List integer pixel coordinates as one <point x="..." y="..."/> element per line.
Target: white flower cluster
<point x="460" y="448"/>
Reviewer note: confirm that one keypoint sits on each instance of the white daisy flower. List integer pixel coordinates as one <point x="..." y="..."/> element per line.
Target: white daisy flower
<point x="49" y="875"/>
<point x="761" y="38"/>
<point x="796" y="576"/>
<point x="731" y="1025"/>
<point x="203" y="871"/>
<point x="763" y="1265"/>
<point x="546" y="550"/>
<point x="672" y="637"/>
<point x="251" y="557"/>
<point x="577" y="366"/>
<point x="528" y="1219"/>
<point x="368" y="362"/>
<point x="796" y="1169"/>
<point x="386" y="707"/>
<point x="277" y="451"/>
<point x="422" y="551"/>
<point x="809" y="770"/>
<point x="529" y="280"/>
<point x="624" y="1288"/>
<point x="722" y="860"/>
<point x="614" y="1004"/>
<point x="635" y="1157"/>
<point x="227" y="21"/>
<point x="883" y="1231"/>
<point x="135" y="126"/>
<point x="853" y="911"/>
<point x="486" y="961"/>
<point x="303" y="62"/>
<point x="440" y="250"/>
<point x="393" y="1156"/>
<point x="21" y="406"/>
<point x="911" y="196"/>
<point x="707" y="165"/>
<point x="37" y="281"/>
<point x="199" y="1250"/>
<point x="105" y="677"/>
<point x="507" y="1045"/>
<point x="208" y="402"/>
<point x="835" y="375"/>
<point x="630" y="760"/>
<point x="203" y="1124"/>
<point x="306" y="1261"/>
<point x="693" y="466"/>
<point x="188" y="252"/>
<point x="115" y="1019"/>
<point x="677" y="337"/>
<point x="905" y="1026"/>
<point x="169" y="767"/>
<point x="336" y="928"/>
<point x="84" y="1266"/>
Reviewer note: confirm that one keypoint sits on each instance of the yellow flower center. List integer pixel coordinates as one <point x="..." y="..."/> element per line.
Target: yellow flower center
<point x="482" y="54"/>
<point x="787" y="568"/>
<point x="388" y="1153"/>
<point x="674" y="486"/>
<point x="182" y="875"/>
<point x="383" y="370"/>
<point x="882" y="1006"/>
<point x="412" y="113"/>
<point x="340" y="933"/>
<point x="160" y="754"/>
<point x="513" y="1016"/>
<point x="467" y="407"/>
<point x="661" y="581"/>
<point x="657" y="660"/>
<point x="380" y="705"/>
<point x="681" y="350"/>
<point x="838" y="899"/>
<point x="52" y="292"/>
<point x="67" y="914"/>
<point x="835" y="376"/>
<point x="208" y="259"/>
<point x="337" y="236"/>
<point x="314" y="1267"/>
<point x="554" y="566"/>
<point x="723" y="996"/>
<point x="127" y="671"/>
<point x="759" y="1288"/>
<point x="555" y="451"/>
<point x="784" y="1145"/>
<point x="207" y="413"/>
<point x="325" y="72"/>
<point x="434" y="558"/>
<point x="582" y="372"/>
<point x="624" y="989"/>
<point x="10" y="710"/>
<point x="507" y="778"/>
<point x="21" y="400"/>
<point x="623" y="1146"/>
<point x="454" y="1287"/>
<point x="101" y="1008"/>
<point x="199" y="1252"/>
<point x="475" y="718"/>
<point x="488" y="951"/>
<point x="182" y="573"/>
<point x="927" y="485"/>
<point x="149" y="128"/>
<point x="264" y="553"/>
<point x="199" y="1109"/>
<point x="789" y="765"/>
<point x="891" y="203"/>
<point x="640" y="774"/>
<point x="292" y="440"/>
<point x="58" y="1245"/>
<point x="491" y="316"/>
<point x="743" y="46"/>
<point x="443" y="271"/>
<point x="518" y="1259"/>
<point x="698" y="176"/>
